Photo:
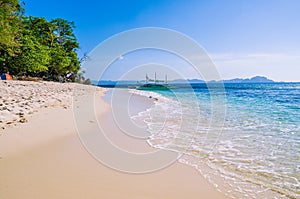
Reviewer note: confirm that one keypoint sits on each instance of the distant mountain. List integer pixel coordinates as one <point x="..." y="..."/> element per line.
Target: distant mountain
<point x="114" y="83"/>
<point x="103" y="82"/>
<point x="256" y="79"/>
<point x="183" y="81"/>
<point x="196" y="81"/>
<point x="131" y="82"/>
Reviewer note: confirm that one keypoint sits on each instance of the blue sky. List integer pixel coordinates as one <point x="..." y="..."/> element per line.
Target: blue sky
<point x="244" y="38"/>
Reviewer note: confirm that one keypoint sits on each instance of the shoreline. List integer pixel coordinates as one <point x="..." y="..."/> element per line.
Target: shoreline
<point x="57" y="165"/>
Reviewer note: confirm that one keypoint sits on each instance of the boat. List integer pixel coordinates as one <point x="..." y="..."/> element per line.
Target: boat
<point x="152" y="87"/>
<point x="155" y="85"/>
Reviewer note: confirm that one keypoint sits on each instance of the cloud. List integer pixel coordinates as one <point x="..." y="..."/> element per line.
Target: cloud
<point x="121" y="57"/>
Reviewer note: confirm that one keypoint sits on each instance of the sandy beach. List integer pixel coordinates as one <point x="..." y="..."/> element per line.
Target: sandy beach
<point x="42" y="156"/>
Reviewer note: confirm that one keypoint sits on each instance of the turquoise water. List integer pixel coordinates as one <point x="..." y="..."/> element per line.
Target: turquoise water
<point x="245" y="138"/>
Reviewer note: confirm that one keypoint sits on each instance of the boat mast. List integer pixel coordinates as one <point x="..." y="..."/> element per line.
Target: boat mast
<point x="166" y="79"/>
<point x="147" y="78"/>
<point x="155" y="79"/>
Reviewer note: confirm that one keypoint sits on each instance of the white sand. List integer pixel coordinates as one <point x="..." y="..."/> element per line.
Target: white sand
<point x="20" y="99"/>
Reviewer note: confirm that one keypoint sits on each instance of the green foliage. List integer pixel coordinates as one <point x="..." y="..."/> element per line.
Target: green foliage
<point x="34" y="46"/>
<point x="41" y="28"/>
<point x="60" y="60"/>
<point x="9" y="25"/>
<point x="34" y="56"/>
<point x="65" y="37"/>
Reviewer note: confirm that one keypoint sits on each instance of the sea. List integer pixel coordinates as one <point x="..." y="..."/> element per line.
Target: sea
<point x="244" y="138"/>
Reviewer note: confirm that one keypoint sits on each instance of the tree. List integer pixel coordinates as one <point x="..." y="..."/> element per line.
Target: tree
<point x="64" y="59"/>
<point x="63" y="30"/>
<point x="41" y="28"/>
<point x="33" y="58"/>
<point x="34" y="46"/>
<point x="10" y="24"/>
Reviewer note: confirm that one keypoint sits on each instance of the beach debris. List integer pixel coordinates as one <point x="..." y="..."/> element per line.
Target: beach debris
<point x="6" y="76"/>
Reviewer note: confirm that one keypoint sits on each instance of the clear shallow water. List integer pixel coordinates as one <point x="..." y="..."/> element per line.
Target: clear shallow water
<point x="245" y="140"/>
